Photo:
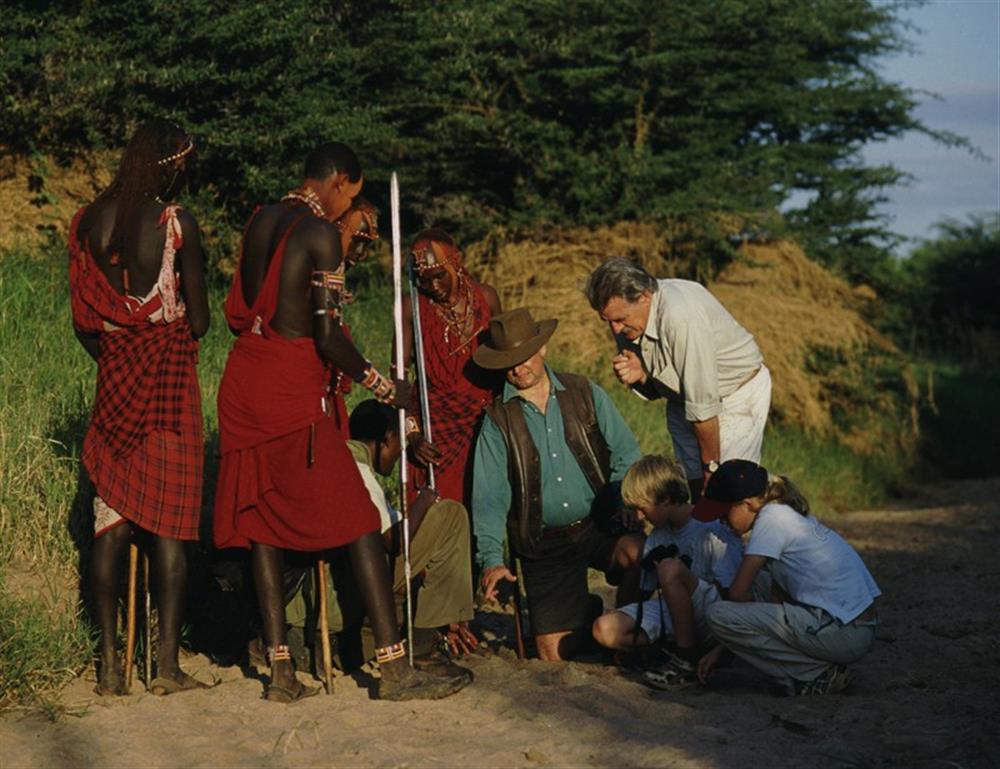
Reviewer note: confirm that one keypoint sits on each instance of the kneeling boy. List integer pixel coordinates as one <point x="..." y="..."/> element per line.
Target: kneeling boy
<point x="690" y="562"/>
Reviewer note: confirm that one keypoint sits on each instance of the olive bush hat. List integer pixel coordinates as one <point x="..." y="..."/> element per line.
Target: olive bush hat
<point x="514" y="337"/>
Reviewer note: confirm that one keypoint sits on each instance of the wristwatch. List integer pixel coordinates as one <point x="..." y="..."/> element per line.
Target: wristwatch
<point x="711" y="466"/>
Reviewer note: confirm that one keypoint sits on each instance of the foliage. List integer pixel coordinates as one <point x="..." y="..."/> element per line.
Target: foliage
<point x="706" y="115"/>
<point x="945" y="293"/>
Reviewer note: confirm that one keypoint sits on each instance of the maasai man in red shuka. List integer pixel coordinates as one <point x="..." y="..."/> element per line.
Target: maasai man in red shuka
<point x="287" y="479"/>
<point x="454" y="311"/>
<point x="137" y="289"/>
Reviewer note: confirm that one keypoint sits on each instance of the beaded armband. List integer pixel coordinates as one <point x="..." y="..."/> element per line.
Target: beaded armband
<point x="333" y="283"/>
<point x="381" y="387"/>
<point x="412" y="426"/>
<point x="390" y="653"/>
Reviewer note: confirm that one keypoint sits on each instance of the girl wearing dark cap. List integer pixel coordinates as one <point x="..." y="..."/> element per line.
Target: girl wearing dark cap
<point x="821" y="616"/>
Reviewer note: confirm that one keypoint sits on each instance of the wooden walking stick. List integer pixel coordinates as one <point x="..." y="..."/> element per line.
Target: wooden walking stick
<point x="518" y="630"/>
<point x="149" y="620"/>
<point x="324" y="626"/>
<point x="397" y="285"/>
<point x="133" y="565"/>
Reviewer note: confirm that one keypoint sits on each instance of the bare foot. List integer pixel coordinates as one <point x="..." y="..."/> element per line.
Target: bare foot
<point x="110" y="681"/>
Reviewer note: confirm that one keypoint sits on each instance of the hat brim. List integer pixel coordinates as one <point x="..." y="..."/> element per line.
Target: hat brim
<point x="490" y="358"/>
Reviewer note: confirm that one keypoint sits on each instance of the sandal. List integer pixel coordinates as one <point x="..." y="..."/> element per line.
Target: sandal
<point x="161" y="686"/>
<point x="286" y="695"/>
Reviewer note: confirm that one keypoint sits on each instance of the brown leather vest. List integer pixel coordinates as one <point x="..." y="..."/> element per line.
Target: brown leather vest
<point x="585" y="441"/>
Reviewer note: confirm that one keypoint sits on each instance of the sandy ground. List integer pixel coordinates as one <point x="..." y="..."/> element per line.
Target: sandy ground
<point x="927" y="695"/>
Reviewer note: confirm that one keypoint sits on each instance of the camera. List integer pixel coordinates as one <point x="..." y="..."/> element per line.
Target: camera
<point x="660" y="552"/>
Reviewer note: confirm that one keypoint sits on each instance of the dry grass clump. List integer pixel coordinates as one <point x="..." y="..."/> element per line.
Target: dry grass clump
<point x="38" y="196"/>
<point x="832" y="370"/>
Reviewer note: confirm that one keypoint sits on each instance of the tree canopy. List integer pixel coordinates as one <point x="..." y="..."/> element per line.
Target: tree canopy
<point x="506" y="112"/>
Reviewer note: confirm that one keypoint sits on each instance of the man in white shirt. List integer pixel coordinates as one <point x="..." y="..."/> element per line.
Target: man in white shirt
<point x="676" y="341"/>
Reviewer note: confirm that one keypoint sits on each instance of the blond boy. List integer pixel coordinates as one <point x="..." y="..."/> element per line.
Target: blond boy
<point x="691" y="563"/>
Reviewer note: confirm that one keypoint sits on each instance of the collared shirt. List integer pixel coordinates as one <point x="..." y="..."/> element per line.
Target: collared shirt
<point x="566" y="494"/>
<point x="694" y="350"/>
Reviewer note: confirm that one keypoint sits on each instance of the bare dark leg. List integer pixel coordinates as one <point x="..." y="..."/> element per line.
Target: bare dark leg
<point x="170" y="574"/>
<point x="371" y="572"/>
<point x="267" y="568"/>
<point x="106" y="557"/>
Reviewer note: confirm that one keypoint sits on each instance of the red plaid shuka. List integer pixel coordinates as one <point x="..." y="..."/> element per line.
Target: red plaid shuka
<point x="457" y="393"/>
<point x="143" y="449"/>
<point x="286" y="476"/>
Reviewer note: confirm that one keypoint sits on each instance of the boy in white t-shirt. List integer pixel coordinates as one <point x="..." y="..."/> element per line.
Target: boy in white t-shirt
<point x="827" y="617"/>
<point x="689" y="562"/>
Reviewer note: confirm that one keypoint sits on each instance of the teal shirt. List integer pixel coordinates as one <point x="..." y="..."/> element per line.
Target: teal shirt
<point x="566" y="494"/>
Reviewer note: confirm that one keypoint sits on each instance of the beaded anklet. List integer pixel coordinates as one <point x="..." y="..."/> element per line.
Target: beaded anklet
<point x="279" y="652"/>
<point x="390" y="653"/>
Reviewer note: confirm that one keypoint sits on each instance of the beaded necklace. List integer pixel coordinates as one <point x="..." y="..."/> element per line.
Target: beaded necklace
<point x="457" y="322"/>
<point x="310" y="198"/>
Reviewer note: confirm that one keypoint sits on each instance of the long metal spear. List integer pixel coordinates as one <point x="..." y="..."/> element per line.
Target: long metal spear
<point x="397" y="285"/>
<point x="418" y="356"/>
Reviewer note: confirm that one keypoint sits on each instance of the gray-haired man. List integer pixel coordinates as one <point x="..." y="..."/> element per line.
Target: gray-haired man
<point x="676" y="341"/>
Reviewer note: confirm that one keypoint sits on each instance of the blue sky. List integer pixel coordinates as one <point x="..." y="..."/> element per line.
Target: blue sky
<point x="958" y="58"/>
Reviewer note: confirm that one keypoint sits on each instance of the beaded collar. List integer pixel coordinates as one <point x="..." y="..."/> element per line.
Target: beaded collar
<point x="310" y="198"/>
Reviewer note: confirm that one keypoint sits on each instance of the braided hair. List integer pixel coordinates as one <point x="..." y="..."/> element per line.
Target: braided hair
<point x="142" y="175"/>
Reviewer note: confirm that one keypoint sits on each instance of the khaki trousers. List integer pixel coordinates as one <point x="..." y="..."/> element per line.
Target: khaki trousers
<point x="786" y="641"/>
<point x="442" y="551"/>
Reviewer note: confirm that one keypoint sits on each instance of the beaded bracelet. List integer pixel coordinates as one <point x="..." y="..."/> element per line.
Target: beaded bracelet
<point x="279" y="652"/>
<point x="412" y="426"/>
<point x="381" y="387"/>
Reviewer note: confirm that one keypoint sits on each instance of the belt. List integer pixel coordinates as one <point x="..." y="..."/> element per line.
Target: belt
<point x="555" y="532"/>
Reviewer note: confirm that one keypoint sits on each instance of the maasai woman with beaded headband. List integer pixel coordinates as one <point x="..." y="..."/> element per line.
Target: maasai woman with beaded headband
<point x="137" y="288"/>
<point x="454" y="309"/>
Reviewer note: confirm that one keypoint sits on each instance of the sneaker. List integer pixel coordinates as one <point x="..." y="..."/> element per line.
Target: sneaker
<point x="833" y="680"/>
<point x="670" y="673"/>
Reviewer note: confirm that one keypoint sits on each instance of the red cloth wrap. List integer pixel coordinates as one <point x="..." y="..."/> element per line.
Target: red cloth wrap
<point x="144" y="447"/>
<point x="457" y="392"/>
<point x="271" y="398"/>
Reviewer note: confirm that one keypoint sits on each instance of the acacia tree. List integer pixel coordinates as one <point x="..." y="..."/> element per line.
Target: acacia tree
<point x="709" y="115"/>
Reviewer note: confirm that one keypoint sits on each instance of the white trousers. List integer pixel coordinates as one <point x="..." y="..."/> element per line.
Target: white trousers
<point x="741" y="425"/>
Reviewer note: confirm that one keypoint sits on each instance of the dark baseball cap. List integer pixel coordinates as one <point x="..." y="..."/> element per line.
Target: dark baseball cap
<point x="735" y="480"/>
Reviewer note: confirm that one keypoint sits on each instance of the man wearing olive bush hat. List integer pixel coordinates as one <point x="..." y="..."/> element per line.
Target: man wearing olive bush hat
<point x="549" y="444"/>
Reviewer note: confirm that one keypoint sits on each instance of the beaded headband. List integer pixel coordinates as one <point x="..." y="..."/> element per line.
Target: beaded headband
<point x="185" y="149"/>
<point x="445" y="255"/>
<point x="368" y="217"/>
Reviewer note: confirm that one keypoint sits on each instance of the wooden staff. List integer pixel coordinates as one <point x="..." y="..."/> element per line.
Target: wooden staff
<point x="149" y="620"/>
<point x="324" y="626"/>
<point x="518" y="630"/>
<point x="397" y="285"/>
<point x="133" y="567"/>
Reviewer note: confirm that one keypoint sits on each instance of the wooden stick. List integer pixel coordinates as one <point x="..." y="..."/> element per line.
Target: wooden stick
<point x="149" y="619"/>
<point x="133" y="567"/>
<point x="324" y="626"/>
<point x="518" y="630"/>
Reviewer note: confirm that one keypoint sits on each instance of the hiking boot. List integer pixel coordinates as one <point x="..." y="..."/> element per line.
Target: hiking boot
<point x="439" y="664"/>
<point x="419" y="685"/>
<point x="833" y="680"/>
<point x="670" y="673"/>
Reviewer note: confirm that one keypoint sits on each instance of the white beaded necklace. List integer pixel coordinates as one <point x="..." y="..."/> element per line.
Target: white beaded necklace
<point x="310" y="198"/>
